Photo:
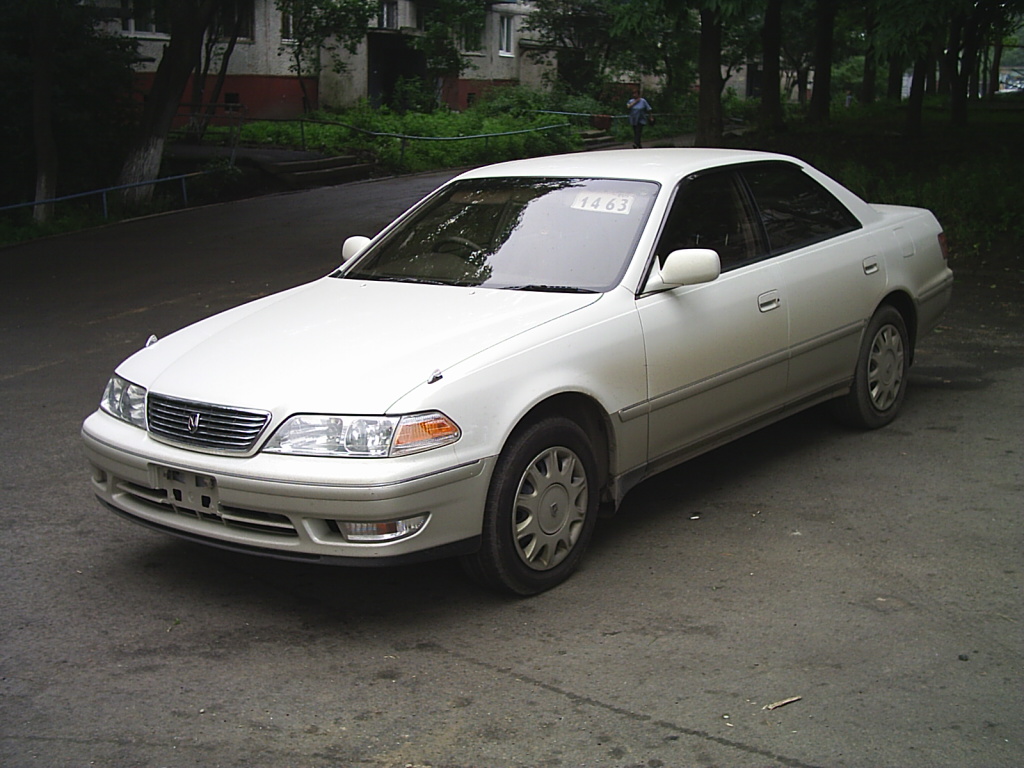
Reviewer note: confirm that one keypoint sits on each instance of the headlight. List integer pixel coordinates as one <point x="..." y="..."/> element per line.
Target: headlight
<point x="125" y="401"/>
<point x="363" y="436"/>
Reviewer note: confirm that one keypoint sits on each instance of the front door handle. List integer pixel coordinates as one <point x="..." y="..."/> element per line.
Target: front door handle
<point x="768" y="301"/>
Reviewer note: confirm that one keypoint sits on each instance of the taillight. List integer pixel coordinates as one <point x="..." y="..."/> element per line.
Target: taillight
<point x="943" y="246"/>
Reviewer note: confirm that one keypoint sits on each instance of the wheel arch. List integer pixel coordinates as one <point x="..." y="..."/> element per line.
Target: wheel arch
<point x="588" y="414"/>
<point x="904" y="304"/>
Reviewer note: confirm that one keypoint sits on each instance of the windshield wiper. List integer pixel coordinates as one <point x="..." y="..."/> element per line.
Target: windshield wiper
<point x="395" y="279"/>
<point x="549" y="288"/>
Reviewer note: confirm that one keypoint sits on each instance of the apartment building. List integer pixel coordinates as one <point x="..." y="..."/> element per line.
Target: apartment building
<point x="259" y="75"/>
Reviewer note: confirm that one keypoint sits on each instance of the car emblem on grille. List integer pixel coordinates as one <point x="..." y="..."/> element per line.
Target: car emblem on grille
<point x="193" y="423"/>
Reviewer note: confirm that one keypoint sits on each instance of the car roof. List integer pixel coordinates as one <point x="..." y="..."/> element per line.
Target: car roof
<point x="666" y="166"/>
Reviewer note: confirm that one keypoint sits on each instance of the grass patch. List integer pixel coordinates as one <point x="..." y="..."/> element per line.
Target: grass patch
<point x="445" y="142"/>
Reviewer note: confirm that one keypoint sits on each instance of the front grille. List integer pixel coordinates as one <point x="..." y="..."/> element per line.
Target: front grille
<point x="213" y="427"/>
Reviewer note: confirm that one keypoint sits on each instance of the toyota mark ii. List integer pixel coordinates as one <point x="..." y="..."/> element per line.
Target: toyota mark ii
<point x="512" y="355"/>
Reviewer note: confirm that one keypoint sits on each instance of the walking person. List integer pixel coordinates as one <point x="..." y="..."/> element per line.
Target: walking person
<point x="639" y="116"/>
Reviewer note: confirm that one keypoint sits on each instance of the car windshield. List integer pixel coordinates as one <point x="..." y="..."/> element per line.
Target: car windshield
<point x="573" y="235"/>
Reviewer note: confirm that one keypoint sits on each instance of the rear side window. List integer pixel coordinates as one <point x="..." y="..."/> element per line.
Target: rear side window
<point x="795" y="209"/>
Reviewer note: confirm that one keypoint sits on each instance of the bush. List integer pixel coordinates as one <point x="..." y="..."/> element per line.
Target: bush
<point x="421" y="141"/>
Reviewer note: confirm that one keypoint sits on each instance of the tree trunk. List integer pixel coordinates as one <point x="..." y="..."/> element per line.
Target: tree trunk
<point x="915" y="102"/>
<point x="894" y="81"/>
<point x="709" y="104"/>
<point x="222" y="74"/>
<point x="42" y="111"/>
<point x="961" y="85"/>
<point x="189" y="21"/>
<point x="993" y="73"/>
<point x="821" y="96"/>
<point x="869" y="87"/>
<point x="949" y="58"/>
<point x="771" y="45"/>
<point x="803" y="76"/>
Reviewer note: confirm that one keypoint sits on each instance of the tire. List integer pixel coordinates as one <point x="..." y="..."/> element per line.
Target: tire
<point x="540" y="511"/>
<point x="880" y="380"/>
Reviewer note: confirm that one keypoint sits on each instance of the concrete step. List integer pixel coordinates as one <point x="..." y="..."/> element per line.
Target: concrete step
<point x="319" y="172"/>
<point x="597" y="139"/>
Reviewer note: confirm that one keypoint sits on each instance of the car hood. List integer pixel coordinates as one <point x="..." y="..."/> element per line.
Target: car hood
<point x="337" y="346"/>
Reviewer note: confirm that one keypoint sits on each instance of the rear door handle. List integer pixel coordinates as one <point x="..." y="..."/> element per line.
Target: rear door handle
<point x="768" y="301"/>
<point x="870" y="266"/>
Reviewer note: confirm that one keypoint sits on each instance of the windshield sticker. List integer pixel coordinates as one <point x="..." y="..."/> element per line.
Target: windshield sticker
<point x="603" y="203"/>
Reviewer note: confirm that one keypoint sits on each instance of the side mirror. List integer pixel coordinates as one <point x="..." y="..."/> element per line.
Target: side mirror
<point x="689" y="266"/>
<point x="353" y="246"/>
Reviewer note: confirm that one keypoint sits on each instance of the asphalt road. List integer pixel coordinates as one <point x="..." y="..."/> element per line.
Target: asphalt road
<point x="877" y="576"/>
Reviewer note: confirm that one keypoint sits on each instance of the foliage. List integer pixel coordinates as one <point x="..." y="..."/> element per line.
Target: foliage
<point x="581" y="33"/>
<point x="445" y="23"/>
<point x="968" y="177"/>
<point x="412" y="94"/>
<point x="661" y="40"/>
<point x="417" y="141"/>
<point x="515" y="100"/>
<point x="91" y="110"/>
<point x="323" y="25"/>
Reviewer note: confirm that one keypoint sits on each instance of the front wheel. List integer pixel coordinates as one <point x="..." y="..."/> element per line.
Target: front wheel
<point x="880" y="380"/>
<point x="541" y="509"/>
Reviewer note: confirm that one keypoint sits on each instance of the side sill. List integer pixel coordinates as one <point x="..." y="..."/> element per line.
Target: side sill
<point x="621" y="485"/>
<point x="454" y="549"/>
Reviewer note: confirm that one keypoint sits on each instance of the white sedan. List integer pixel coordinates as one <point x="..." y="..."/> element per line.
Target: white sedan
<point x="507" y="359"/>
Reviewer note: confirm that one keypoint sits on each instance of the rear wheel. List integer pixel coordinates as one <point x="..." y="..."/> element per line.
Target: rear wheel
<point x="541" y="509"/>
<point x="880" y="380"/>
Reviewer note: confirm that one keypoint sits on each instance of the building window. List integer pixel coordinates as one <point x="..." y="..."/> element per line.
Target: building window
<point x="471" y="37"/>
<point x="286" y="26"/>
<point x="236" y="17"/>
<point x="144" y="17"/>
<point x="505" y="36"/>
<point x="388" y="16"/>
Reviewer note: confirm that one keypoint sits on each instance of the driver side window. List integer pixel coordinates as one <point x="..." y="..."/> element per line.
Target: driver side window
<point x="712" y="211"/>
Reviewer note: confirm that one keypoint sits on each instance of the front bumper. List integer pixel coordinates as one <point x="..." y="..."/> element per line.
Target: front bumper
<point x="287" y="506"/>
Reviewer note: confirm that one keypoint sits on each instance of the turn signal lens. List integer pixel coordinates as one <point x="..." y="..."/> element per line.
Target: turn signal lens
<point x="423" y="432"/>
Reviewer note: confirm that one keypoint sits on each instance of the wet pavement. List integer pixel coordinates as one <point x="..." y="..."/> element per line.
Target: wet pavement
<point x="871" y="580"/>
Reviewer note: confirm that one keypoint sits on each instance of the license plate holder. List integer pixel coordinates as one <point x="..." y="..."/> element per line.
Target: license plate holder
<point x="190" y="491"/>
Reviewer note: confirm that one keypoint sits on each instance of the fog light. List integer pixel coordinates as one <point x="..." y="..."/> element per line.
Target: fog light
<point x="388" y="530"/>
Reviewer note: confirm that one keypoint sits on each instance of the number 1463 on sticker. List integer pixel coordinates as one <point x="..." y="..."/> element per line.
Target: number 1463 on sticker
<point x="588" y="201"/>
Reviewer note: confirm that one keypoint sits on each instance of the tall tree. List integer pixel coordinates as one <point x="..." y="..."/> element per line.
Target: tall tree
<point x="978" y="22"/>
<point x="824" y="26"/>
<point x="189" y="22"/>
<point x="580" y="35"/>
<point x="64" y="87"/>
<point x="444" y="22"/>
<point x="659" y="38"/>
<point x="771" y="76"/>
<point x="798" y="41"/>
<point x="43" y="31"/>
<point x="709" y="105"/>
<point x="322" y="26"/>
<point x="909" y="31"/>
<point x="869" y="81"/>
